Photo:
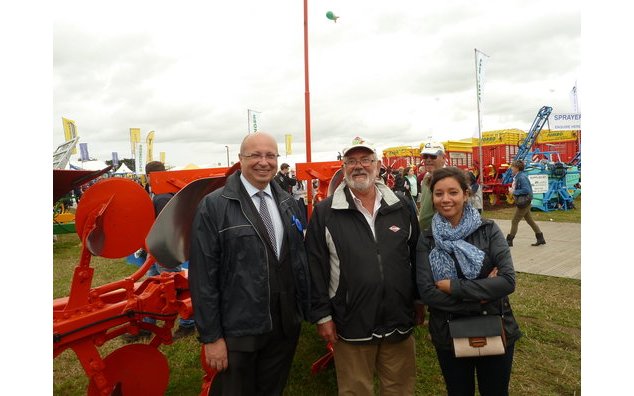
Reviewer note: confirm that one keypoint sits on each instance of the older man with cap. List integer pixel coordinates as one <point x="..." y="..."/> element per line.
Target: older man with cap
<point x="433" y="155"/>
<point x="361" y="246"/>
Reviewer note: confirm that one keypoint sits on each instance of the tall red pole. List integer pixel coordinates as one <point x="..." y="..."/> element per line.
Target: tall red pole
<point x="307" y="90"/>
<point x="309" y="186"/>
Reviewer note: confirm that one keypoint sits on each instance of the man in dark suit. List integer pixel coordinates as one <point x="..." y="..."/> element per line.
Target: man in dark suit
<point x="248" y="275"/>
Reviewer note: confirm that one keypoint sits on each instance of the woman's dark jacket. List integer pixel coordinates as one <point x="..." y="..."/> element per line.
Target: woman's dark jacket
<point x="467" y="295"/>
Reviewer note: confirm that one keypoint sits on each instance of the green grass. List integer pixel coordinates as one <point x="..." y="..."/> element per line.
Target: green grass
<point x="547" y="359"/>
<point x="505" y="212"/>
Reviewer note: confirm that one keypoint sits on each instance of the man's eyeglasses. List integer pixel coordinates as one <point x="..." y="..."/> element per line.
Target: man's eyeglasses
<point x="425" y="156"/>
<point x="362" y="161"/>
<point x="257" y="157"/>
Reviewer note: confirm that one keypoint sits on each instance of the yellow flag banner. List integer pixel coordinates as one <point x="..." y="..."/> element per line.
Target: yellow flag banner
<point x="289" y="144"/>
<point x="149" y="140"/>
<point x="135" y="137"/>
<point x="70" y="131"/>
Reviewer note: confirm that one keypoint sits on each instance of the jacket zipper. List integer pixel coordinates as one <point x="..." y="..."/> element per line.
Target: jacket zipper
<point x="381" y="274"/>
<point x="268" y="271"/>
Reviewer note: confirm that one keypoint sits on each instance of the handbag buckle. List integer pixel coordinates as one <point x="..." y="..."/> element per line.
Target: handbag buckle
<point x="477" y="342"/>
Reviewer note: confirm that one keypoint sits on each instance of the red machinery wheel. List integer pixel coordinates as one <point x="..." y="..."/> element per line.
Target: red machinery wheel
<point x="126" y="220"/>
<point x="134" y="370"/>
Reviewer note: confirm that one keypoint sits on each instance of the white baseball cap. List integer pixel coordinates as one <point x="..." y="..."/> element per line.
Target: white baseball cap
<point x="433" y="148"/>
<point x="358" y="142"/>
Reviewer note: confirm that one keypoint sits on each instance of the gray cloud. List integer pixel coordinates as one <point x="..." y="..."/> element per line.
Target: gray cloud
<point x="394" y="74"/>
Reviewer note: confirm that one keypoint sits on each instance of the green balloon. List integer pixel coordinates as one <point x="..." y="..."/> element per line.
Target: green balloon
<point x="331" y="15"/>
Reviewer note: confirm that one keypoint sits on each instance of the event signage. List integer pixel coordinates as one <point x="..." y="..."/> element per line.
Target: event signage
<point x="539" y="183"/>
<point x="139" y="159"/>
<point x="565" y="121"/>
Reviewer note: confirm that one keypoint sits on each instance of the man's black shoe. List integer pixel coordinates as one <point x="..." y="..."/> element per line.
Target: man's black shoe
<point x="183" y="332"/>
<point x="130" y="338"/>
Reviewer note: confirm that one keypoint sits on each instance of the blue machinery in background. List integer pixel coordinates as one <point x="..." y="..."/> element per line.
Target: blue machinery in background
<point x="531" y="137"/>
<point x="562" y="179"/>
<point x="562" y="182"/>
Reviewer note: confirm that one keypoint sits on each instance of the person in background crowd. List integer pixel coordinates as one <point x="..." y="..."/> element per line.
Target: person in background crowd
<point x="299" y="193"/>
<point x="419" y="183"/>
<point x="464" y="268"/>
<point x="411" y="179"/>
<point x="77" y="192"/>
<point x="284" y="179"/>
<point x="475" y="196"/>
<point x="433" y="154"/>
<point x="421" y="175"/>
<point x="361" y="247"/>
<point x="248" y="275"/>
<point x="400" y="182"/>
<point x="522" y="186"/>
<point x="388" y="177"/>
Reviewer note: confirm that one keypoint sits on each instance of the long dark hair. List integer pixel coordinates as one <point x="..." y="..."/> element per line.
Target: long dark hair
<point x="450" y="171"/>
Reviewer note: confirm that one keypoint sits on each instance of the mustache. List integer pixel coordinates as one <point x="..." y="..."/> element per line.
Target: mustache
<point x="359" y="172"/>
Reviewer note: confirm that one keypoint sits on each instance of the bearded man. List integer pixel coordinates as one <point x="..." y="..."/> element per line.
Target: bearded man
<point x="361" y="246"/>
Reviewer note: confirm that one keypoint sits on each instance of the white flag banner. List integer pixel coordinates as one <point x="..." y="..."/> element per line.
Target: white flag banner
<point x="254" y="120"/>
<point x="481" y="60"/>
<point x="139" y="159"/>
<point x="573" y="99"/>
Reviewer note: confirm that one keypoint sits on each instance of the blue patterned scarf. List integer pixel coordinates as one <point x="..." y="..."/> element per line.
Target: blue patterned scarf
<point x="451" y="240"/>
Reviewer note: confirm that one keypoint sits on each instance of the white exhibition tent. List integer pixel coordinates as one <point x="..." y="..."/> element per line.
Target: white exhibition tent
<point x="123" y="170"/>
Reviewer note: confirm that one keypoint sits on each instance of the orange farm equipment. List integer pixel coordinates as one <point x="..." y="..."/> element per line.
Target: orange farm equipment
<point x="114" y="218"/>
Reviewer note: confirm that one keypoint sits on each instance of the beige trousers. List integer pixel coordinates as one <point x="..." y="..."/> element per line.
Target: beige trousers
<point x="394" y="364"/>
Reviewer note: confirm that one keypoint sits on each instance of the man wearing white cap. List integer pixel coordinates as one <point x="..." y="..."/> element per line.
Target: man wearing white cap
<point x="433" y="155"/>
<point x="361" y="246"/>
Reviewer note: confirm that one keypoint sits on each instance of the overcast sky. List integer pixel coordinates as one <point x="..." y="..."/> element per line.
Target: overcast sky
<point x="392" y="72"/>
<point x="377" y="72"/>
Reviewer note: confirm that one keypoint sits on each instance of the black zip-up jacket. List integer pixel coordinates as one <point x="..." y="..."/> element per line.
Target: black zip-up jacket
<point x="229" y="268"/>
<point x="366" y="285"/>
<point x="467" y="295"/>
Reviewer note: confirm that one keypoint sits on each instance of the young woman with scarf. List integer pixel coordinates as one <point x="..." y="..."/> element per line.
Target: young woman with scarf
<point x="464" y="268"/>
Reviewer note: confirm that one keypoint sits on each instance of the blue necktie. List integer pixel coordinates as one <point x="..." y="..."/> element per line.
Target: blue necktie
<point x="266" y="219"/>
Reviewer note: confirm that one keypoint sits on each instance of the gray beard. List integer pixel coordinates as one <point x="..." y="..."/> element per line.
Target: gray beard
<point x="359" y="185"/>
